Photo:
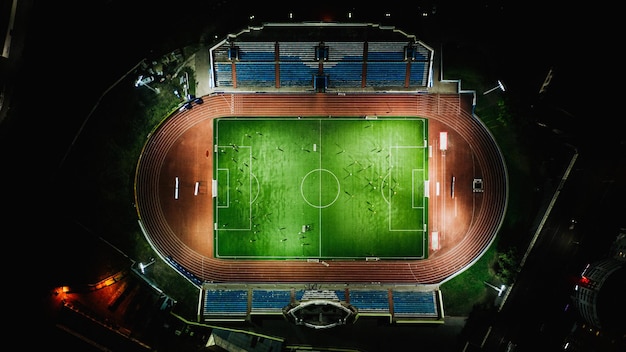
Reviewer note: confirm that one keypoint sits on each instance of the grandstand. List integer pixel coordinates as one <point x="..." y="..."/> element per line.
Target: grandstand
<point x="321" y="57"/>
<point x="321" y="308"/>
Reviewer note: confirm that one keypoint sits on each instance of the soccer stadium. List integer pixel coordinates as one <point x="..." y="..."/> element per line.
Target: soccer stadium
<point x="323" y="173"/>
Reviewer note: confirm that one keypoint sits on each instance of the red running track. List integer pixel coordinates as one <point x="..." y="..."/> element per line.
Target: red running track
<point x="182" y="146"/>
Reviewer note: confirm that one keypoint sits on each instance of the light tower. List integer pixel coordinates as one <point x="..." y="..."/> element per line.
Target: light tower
<point x="499" y="86"/>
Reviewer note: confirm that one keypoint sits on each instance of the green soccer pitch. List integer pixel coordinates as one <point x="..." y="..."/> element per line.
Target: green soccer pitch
<point x="316" y="188"/>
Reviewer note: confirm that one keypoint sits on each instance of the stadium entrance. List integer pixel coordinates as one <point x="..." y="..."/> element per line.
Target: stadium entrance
<point x="320" y="83"/>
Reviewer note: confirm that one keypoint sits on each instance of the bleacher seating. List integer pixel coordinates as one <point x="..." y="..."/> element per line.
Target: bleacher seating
<point x="297" y="51"/>
<point x="414" y="303"/>
<point x="258" y="74"/>
<point x="386" y="74"/>
<point x="370" y="300"/>
<point x="345" y="51"/>
<point x="421" y="54"/>
<point x="419" y="74"/>
<point x="344" y="74"/>
<point x="225" y="302"/>
<point x="270" y="300"/>
<point x="297" y="74"/>
<point x="256" y="51"/>
<point x="341" y="295"/>
<point x="298" y="63"/>
<point x="239" y="303"/>
<point x="224" y="74"/>
<point x="386" y="51"/>
<point x="318" y="294"/>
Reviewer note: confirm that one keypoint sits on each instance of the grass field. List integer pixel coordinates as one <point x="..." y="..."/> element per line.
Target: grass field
<point x="320" y="188"/>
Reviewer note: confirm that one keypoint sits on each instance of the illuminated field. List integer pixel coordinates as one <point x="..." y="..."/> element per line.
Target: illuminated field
<point x="290" y="188"/>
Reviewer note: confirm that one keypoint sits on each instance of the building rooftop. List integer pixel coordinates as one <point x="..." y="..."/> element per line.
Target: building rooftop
<point x="322" y="31"/>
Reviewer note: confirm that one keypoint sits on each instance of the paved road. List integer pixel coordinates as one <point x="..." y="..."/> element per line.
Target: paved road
<point x="536" y="315"/>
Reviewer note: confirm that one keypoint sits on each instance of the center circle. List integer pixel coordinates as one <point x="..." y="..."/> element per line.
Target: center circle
<point x="320" y="188"/>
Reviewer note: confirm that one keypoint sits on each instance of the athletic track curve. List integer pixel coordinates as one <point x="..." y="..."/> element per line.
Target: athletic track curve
<point x="182" y="146"/>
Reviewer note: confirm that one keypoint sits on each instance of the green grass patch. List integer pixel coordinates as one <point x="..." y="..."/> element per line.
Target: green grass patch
<point x="321" y="187"/>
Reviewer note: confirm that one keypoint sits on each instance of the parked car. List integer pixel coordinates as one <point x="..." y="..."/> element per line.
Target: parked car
<point x="186" y="106"/>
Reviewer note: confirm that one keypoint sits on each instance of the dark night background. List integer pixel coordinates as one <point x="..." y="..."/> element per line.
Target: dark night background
<point x="74" y="50"/>
<point x="68" y="53"/>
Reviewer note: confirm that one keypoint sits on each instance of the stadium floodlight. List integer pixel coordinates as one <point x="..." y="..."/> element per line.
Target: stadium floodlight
<point x="143" y="81"/>
<point x="143" y="266"/>
<point x="498" y="289"/>
<point x="499" y="86"/>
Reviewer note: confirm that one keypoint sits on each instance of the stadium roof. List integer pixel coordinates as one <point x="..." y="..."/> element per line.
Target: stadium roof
<point x="321" y="31"/>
